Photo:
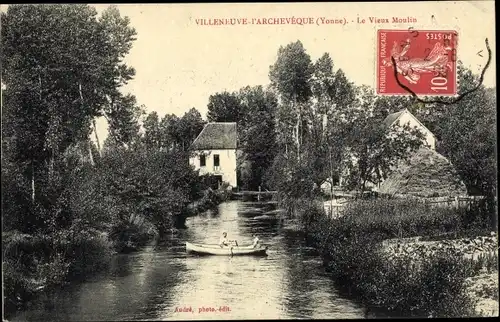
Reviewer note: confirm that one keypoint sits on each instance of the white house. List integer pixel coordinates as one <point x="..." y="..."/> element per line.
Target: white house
<point x="214" y="151"/>
<point x="404" y="117"/>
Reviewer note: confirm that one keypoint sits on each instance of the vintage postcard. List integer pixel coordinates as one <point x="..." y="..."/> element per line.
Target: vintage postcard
<point x="249" y="161"/>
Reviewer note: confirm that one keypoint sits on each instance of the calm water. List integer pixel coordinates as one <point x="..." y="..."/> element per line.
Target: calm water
<point x="149" y="285"/>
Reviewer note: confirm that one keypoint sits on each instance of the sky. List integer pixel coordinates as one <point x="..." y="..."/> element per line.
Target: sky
<point x="180" y="63"/>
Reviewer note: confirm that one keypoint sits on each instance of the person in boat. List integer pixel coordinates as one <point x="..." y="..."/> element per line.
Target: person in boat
<point x="256" y="241"/>
<point x="226" y="242"/>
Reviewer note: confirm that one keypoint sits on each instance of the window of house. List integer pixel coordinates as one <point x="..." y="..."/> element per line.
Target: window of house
<point x="216" y="160"/>
<point x="202" y="160"/>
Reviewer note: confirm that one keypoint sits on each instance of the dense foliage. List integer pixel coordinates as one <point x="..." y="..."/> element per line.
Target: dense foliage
<point x="329" y="130"/>
<point x="253" y="108"/>
<point x="466" y="133"/>
<point x="411" y="285"/>
<point x="68" y="204"/>
<point x="312" y="122"/>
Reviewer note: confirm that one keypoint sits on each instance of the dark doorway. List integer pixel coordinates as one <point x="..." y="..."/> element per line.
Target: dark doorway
<point x="213" y="181"/>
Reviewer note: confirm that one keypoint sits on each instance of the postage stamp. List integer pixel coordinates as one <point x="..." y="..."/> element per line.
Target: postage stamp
<point x="425" y="61"/>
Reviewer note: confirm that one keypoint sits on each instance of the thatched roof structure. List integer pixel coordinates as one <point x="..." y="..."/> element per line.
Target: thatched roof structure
<point x="426" y="174"/>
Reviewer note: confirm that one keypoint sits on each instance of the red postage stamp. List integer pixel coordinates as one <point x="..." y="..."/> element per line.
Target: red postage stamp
<point x="425" y="62"/>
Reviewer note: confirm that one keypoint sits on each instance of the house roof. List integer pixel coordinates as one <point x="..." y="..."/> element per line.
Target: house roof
<point x="392" y="118"/>
<point x="216" y="136"/>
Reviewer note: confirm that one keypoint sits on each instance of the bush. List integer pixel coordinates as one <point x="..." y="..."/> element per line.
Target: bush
<point x="398" y="218"/>
<point x="20" y="264"/>
<point x="210" y="200"/>
<point x="487" y="262"/>
<point x="36" y="262"/>
<point x="127" y="236"/>
<point x="17" y="287"/>
<point x="87" y="252"/>
<point x="156" y="184"/>
<point x="430" y="285"/>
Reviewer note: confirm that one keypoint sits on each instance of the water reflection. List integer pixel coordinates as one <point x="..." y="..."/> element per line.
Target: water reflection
<point x="150" y="285"/>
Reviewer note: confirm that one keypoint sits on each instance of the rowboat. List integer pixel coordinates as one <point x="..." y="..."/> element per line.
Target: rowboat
<point x="214" y="249"/>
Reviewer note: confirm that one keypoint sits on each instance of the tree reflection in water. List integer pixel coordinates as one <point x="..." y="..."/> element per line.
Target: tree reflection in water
<point x="150" y="284"/>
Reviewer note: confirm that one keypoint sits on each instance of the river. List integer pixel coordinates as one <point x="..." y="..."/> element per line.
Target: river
<point x="289" y="283"/>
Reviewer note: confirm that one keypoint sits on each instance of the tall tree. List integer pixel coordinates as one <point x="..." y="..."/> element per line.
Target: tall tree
<point x="171" y="132"/>
<point x="224" y="107"/>
<point x="256" y="132"/>
<point x="123" y="115"/>
<point x="189" y="126"/>
<point x="290" y="76"/>
<point x="170" y="138"/>
<point x="322" y="108"/>
<point x="152" y="134"/>
<point x="334" y="98"/>
<point x="466" y="133"/>
<point x="59" y="65"/>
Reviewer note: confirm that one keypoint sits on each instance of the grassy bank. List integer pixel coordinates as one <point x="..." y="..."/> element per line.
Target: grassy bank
<point x="36" y="263"/>
<point x="423" y="284"/>
<point x="39" y="262"/>
<point x="88" y="212"/>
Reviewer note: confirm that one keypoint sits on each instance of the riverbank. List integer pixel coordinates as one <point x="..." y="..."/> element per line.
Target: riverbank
<point x="480" y="253"/>
<point x="417" y="283"/>
<point x="36" y="263"/>
<point x="151" y="283"/>
<point x="209" y="201"/>
<point x="483" y="288"/>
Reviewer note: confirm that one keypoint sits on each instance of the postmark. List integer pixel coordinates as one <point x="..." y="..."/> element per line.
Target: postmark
<point x="425" y="60"/>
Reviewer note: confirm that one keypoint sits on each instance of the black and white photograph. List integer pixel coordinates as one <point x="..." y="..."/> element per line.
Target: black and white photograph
<point x="236" y="161"/>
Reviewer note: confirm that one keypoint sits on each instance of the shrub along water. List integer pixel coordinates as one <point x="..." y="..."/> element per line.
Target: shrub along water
<point x="87" y="213"/>
<point x="427" y="285"/>
<point x="66" y="203"/>
<point x="34" y="263"/>
<point x="401" y="218"/>
<point x="209" y="200"/>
